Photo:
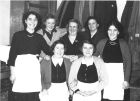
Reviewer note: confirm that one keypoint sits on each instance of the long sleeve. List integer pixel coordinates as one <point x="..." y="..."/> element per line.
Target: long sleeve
<point x="100" y="47"/>
<point x="13" y="51"/>
<point x="45" y="74"/>
<point x="126" y="60"/>
<point x="45" y="47"/>
<point x="73" y="74"/>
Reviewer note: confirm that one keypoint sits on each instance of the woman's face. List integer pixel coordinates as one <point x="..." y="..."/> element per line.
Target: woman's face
<point x="73" y="28"/>
<point x="113" y="33"/>
<point x="59" y="50"/>
<point x="92" y="24"/>
<point x="50" y="24"/>
<point x="31" y="22"/>
<point x="87" y="49"/>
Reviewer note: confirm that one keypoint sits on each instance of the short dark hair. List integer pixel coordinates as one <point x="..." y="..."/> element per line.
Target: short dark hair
<point x="118" y="25"/>
<point x="76" y="21"/>
<point x="58" y="42"/>
<point x="26" y="15"/>
<point x="89" y="18"/>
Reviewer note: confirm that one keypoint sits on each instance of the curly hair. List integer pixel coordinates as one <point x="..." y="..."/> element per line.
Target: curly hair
<point x="26" y="15"/>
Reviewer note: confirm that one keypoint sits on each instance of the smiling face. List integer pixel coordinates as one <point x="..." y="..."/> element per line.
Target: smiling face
<point x="58" y="50"/>
<point x="113" y="33"/>
<point x="92" y="24"/>
<point x="87" y="49"/>
<point x="31" y="22"/>
<point x="50" y="24"/>
<point x="73" y="28"/>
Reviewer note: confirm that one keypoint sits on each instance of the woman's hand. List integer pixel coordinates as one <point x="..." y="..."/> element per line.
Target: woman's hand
<point x="73" y="58"/>
<point x="47" y="57"/>
<point x="125" y="85"/>
<point x="12" y="76"/>
<point x="43" y="95"/>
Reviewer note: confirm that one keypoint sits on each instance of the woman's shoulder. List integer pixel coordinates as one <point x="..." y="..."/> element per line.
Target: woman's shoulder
<point x="19" y="33"/>
<point x="40" y="32"/>
<point x="97" y="58"/>
<point x="67" y="60"/>
<point x="61" y="30"/>
<point x="123" y="42"/>
<point x="102" y="42"/>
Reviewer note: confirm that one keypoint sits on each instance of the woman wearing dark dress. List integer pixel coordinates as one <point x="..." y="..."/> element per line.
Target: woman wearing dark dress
<point x="72" y="40"/>
<point x="23" y="59"/>
<point x="116" y="55"/>
<point x="92" y="31"/>
<point x="87" y="75"/>
<point x="55" y="74"/>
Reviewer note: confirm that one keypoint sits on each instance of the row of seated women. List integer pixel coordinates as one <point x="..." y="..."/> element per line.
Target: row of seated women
<point x="73" y="64"/>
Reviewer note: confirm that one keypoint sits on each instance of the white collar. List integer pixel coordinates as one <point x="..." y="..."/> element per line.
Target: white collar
<point x="57" y="61"/>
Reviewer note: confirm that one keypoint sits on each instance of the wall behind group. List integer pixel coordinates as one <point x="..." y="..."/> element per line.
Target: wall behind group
<point x="4" y="22"/>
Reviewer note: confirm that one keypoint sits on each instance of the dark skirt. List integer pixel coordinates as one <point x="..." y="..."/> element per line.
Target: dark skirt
<point x="34" y="96"/>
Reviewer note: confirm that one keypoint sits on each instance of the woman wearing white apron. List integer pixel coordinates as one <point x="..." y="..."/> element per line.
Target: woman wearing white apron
<point x="55" y="74"/>
<point x="87" y="75"/>
<point x="25" y="67"/>
<point x="116" y="55"/>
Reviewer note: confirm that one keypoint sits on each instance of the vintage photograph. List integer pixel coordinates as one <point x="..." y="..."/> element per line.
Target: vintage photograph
<point x="70" y="50"/>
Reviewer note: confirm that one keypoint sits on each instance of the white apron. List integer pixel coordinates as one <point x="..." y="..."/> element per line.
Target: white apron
<point x="114" y="90"/>
<point x="27" y="73"/>
<point x="57" y="92"/>
<point x="87" y="87"/>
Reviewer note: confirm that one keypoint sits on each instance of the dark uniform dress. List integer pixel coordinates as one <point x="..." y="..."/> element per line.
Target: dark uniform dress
<point x="87" y="79"/>
<point x="112" y="57"/>
<point x="58" y="90"/>
<point x="24" y="52"/>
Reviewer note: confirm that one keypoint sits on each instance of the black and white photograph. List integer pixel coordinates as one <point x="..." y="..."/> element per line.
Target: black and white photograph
<point x="69" y="50"/>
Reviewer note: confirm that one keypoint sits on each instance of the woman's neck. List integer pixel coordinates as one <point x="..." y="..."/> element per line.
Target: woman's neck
<point x="87" y="57"/>
<point x="31" y="31"/>
<point x="57" y="57"/>
<point x="48" y="30"/>
<point x="93" y="32"/>
<point x="113" y="39"/>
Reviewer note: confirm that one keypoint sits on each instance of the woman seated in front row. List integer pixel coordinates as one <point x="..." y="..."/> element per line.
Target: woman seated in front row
<point x="55" y="74"/>
<point x="87" y="75"/>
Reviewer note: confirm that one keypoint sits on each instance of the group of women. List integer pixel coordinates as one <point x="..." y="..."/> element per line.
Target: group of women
<point x="50" y="64"/>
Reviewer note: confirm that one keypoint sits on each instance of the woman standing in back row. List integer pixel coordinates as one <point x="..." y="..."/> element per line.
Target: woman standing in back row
<point x="50" y="31"/>
<point x="23" y="59"/>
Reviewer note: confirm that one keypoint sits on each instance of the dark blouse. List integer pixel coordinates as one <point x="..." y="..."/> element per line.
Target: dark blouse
<point x="95" y="39"/>
<point x="112" y="52"/>
<point x="25" y="43"/>
<point x="58" y="73"/>
<point x="87" y="74"/>
<point x="72" y="49"/>
<point x="48" y="34"/>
